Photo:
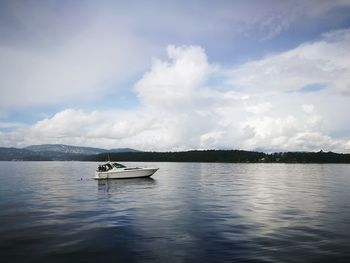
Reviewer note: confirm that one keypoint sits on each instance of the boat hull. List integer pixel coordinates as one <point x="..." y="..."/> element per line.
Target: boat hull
<point x="125" y="174"/>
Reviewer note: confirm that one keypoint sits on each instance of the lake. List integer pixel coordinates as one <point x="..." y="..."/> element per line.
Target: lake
<point x="187" y="212"/>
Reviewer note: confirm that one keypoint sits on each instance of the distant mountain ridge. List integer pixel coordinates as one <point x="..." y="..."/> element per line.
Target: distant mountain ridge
<point x="15" y="154"/>
<point x="63" y="148"/>
<point x="61" y="152"/>
<point x="54" y="152"/>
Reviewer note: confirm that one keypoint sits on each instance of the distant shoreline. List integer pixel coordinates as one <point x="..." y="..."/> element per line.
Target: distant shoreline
<point x="208" y="156"/>
<point x="225" y="156"/>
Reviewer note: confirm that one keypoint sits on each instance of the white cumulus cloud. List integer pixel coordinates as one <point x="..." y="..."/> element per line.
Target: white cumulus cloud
<point x="323" y="62"/>
<point x="183" y="109"/>
<point x="176" y="83"/>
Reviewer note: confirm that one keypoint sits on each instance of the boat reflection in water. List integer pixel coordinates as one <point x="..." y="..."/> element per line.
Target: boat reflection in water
<point x="109" y="185"/>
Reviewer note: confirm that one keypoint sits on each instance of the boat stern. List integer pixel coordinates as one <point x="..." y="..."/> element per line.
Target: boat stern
<point x="100" y="176"/>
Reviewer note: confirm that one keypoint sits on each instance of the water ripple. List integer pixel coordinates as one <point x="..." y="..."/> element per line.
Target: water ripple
<point x="188" y="212"/>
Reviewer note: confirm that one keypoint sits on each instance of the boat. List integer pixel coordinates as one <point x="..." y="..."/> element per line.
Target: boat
<point x="111" y="170"/>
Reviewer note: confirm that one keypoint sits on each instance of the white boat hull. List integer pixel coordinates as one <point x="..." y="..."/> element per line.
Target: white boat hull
<point x="124" y="174"/>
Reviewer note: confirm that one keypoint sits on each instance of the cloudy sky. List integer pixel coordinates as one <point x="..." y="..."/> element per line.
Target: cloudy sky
<point x="176" y="75"/>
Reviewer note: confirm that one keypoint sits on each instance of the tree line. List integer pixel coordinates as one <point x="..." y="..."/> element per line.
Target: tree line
<point x="220" y="156"/>
<point x="224" y="156"/>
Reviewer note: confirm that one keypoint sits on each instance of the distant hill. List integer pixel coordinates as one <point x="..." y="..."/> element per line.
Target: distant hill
<point x="224" y="156"/>
<point x="123" y="150"/>
<point x="54" y="152"/>
<point x="62" y="148"/>
<point x="60" y="152"/>
<point x="15" y="154"/>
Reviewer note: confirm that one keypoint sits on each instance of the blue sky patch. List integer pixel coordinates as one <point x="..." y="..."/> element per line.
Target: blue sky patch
<point x="313" y="88"/>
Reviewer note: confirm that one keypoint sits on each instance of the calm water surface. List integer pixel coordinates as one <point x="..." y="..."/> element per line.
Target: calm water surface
<point x="188" y="212"/>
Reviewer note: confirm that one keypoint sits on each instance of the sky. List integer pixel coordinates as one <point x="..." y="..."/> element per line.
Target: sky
<point x="264" y="75"/>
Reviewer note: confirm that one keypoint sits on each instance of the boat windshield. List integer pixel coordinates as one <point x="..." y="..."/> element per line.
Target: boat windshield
<point x="104" y="167"/>
<point x="118" y="165"/>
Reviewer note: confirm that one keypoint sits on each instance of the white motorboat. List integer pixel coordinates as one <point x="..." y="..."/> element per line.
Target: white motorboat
<point x="118" y="171"/>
